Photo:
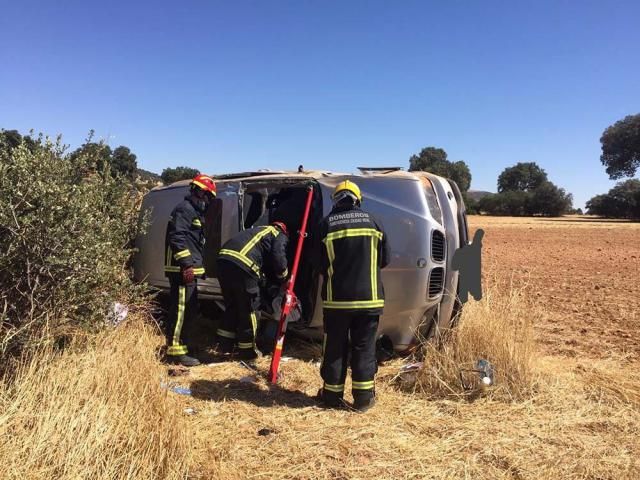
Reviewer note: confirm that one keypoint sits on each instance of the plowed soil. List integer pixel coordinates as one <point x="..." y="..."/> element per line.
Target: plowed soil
<point x="585" y="271"/>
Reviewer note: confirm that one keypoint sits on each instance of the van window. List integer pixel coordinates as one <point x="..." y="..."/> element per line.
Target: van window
<point x="432" y="199"/>
<point x="253" y="208"/>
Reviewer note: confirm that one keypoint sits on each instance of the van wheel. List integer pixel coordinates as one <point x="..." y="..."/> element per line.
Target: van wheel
<point x="456" y="313"/>
<point x="427" y="328"/>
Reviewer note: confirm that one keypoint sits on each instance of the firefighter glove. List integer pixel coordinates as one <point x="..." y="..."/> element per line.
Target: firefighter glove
<point x="188" y="275"/>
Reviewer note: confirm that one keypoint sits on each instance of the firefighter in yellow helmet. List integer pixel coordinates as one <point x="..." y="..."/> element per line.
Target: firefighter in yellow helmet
<point x="183" y="265"/>
<point x="353" y="249"/>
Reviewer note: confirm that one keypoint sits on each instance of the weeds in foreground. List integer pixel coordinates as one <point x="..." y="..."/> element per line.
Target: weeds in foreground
<point x="95" y="411"/>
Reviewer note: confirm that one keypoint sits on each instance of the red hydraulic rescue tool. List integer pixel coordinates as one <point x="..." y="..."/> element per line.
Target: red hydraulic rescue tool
<point x="289" y="301"/>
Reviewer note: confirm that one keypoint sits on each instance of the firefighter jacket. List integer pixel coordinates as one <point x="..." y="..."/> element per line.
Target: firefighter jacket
<point x="184" y="240"/>
<point x="353" y="248"/>
<point x="256" y="249"/>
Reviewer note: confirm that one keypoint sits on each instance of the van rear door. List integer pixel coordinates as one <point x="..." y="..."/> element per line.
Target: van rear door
<point x="221" y="223"/>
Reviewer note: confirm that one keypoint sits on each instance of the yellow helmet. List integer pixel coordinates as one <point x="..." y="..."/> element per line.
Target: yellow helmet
<point x="348" y="186"/>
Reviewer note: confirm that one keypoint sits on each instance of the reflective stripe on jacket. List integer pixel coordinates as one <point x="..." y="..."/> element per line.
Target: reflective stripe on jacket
<point x="257" y="248"/>
<point x="354" y="249"/>
<point x="184" y="240"/>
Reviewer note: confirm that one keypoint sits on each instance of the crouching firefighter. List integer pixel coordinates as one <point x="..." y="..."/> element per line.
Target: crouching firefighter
<point x="353" y="249"/>
<point x="243" y="262"/>
<point x="184" y="243"/>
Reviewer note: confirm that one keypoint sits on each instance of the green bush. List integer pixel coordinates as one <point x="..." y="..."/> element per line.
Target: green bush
<point x="65" y="234"/>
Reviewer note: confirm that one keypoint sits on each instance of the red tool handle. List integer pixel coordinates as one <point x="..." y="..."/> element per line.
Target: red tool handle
<point x="289" y="299"/>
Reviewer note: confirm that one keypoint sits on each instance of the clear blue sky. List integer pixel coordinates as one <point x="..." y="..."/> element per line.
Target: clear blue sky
<point x="227" y="86"/>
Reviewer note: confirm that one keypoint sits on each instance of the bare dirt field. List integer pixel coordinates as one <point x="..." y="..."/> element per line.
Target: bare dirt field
<point x="585" y="271"/>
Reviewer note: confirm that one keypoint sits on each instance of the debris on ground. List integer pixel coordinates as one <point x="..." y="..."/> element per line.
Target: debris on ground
<point x="485" y="371"/>
<point x="411" y="367"/>
<point x="248" y="366"/>
<point x="181" y="390"/>
<point x="117" y="314"/>
<point x="408" y="373"/>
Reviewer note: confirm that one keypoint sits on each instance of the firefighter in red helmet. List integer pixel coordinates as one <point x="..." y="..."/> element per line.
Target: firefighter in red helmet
<point x="184" y="265"/>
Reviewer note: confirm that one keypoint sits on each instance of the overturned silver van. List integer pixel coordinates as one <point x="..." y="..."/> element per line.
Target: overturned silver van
<point x="423" y="215"/>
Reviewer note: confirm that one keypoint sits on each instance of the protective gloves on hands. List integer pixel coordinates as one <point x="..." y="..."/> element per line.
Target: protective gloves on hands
<point x="188" y="275"/>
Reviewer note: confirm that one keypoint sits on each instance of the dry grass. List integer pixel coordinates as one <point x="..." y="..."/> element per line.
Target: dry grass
<point x="547" y="417"/>
<point x="498" y="329"/>
<point x="100" y="414"/>
<point x="95" y="411"/>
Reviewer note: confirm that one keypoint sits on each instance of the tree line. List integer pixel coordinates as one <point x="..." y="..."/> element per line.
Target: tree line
<point x="621" y="157"/>
<point x="523" y="189"/>
<point x="121" y="160"/>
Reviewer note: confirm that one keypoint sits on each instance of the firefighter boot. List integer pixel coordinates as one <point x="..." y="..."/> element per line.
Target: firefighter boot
<point x="184" y="360"/>
<point x="330" y="399"/>
<point x="248" y="354"/>
<point x="364" y="400"/>
<point x="225" y="345"/>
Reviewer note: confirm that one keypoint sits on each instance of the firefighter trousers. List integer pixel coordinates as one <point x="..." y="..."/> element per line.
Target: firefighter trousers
<point x="241" y="293"/>
<point x="183" y="308"/>
<point x="349" y="333"/>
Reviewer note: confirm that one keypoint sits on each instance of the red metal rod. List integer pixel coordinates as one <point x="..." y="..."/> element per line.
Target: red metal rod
<point x="289" y="298"/>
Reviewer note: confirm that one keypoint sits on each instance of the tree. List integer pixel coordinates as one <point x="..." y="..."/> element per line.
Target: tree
<point x="622" y="201"/>
<point x="471" y="205"/>
<point x="170" y="175"/>
<point x="434" y="160"/>
<point x="545" y="199"/>
<point x="525" y="190"/>
<point x="512" y="203"/>
<point x="10" y="139"/>
<point x="124" y="162"/>
<point x="523" y="176"/>
<point x="120" y="161"/>
<point x="621" y="147"/>
<point x="597" y="205"/>
<point x="549" y="200"/>
<point x="460" y="173"/>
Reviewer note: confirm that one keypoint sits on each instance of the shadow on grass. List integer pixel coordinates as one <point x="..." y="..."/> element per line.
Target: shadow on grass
<point x="234" y="389"/>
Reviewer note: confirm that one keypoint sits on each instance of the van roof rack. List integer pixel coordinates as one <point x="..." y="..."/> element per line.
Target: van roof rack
<point x="257" y="173"/>
<point x="365" y="170"/>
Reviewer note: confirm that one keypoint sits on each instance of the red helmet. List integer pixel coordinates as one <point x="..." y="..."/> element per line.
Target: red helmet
<point x="205" y="182"/>
<point x="282" y="227"/>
